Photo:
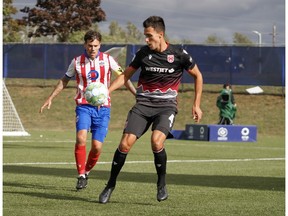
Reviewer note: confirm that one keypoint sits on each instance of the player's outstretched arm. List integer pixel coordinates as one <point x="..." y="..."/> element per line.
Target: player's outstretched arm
<point x="62" y="83"/>
<point x="129" y="85"/>
<point x="198" y="86"/>
<point x="123" y="79"/>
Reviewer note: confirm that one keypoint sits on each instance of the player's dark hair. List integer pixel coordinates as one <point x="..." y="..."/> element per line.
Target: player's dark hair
<point x="92" y="35"/>
<point x="155" y="22"/>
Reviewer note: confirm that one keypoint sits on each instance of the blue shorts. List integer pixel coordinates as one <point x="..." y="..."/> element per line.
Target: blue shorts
<point x="93" y="119"/>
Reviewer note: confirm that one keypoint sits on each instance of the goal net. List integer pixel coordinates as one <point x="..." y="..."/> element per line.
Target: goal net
<point x="12" y="125"/>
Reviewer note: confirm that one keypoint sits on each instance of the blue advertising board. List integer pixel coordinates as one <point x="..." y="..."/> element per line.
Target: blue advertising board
<point x="217" y="133"/>
<point x="232" y="133"/>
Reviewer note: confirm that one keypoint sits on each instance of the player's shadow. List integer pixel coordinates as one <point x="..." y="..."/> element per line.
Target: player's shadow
<point x="241" y="182"/>
<point x="55" y="196"/>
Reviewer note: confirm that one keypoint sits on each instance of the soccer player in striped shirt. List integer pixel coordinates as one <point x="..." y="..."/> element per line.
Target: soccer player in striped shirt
<point x="91" y="66"/>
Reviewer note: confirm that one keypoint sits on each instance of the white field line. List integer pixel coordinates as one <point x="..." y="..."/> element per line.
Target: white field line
<point x="169" y="143"/>
<point x="142" y="162"/>
<point x="227" y="146"/>
<point x="45" y="141"/>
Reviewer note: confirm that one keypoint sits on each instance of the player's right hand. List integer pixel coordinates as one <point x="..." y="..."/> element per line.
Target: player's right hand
<point x="46" y="104"/>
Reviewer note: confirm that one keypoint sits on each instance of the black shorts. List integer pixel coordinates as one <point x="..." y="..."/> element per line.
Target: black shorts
<point x="141" y="117"/>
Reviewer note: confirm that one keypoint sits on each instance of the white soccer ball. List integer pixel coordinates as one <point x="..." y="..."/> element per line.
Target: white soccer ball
<point x="96" y="93"/>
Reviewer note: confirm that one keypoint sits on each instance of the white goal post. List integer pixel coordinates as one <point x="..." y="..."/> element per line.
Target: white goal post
<point x="12" y="125"/>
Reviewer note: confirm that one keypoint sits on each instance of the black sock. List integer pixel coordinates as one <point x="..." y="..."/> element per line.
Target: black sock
<point x="117" y="164"/>
<point x="160" y="160"/>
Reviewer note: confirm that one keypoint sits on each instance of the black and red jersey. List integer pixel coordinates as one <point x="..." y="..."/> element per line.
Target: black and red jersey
<point x="160" y="74"/>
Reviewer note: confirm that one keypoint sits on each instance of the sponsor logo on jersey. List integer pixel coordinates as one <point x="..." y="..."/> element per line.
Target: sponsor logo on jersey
<point x="160" y="70"/>
<point x="93" y="75"/>
<point x="101" y="63"/>
<point x="170" y="58"/>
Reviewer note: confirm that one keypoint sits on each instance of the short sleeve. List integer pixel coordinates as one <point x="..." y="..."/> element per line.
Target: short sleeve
<point x="71" y="69"/>
<point x="136" y="61"/>
<point x="187" y="60"/>
<point x="115" y="66"/>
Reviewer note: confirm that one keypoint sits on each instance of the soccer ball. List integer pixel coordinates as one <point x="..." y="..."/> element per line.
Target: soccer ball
<point x="96" y="93"/>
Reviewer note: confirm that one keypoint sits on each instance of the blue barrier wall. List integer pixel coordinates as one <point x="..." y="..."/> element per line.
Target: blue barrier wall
<point x="43" y="61"/>
<point x="237" y="65"/>
<point x="218" y="64"/>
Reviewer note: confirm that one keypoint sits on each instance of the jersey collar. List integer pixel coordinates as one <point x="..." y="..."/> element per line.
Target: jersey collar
<point x="87" y="56"/>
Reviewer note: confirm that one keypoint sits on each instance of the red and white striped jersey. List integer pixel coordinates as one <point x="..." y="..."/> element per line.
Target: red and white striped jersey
<point x="87" y="70"/>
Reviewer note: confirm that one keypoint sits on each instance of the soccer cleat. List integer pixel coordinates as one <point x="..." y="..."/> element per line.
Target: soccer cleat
<point x="105" y="195"/>
<point x="81" y="183"/>
<point x="162" y="193"/>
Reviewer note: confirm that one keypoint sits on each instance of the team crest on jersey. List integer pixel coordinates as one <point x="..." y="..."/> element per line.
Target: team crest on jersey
<point x="170" y="58"/>
<point x="93" y="75"/>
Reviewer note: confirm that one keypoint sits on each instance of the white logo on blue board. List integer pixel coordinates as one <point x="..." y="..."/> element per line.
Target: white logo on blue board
<point x="245" y="133"/>
<point x="222" y="134"/>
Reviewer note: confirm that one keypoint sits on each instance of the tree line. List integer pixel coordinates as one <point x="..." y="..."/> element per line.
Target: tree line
<point x="68" y="20"/>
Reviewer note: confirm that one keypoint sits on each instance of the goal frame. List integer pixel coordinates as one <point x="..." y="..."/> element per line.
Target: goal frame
<point x="7" y="101"/>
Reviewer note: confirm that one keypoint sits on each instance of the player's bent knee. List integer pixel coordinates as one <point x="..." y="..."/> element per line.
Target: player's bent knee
<point x="127" y="142"/>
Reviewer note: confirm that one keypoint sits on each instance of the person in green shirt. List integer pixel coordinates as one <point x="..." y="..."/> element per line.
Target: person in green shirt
<point x="227" y="106"/>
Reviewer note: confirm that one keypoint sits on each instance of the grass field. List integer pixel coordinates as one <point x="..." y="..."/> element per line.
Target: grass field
<point x="204" y="178"/>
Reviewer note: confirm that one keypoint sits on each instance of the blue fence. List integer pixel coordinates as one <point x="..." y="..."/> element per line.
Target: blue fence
<point x="43" y="61"/>
<point x="218" y="64"/>
<point x="234" y="64"/>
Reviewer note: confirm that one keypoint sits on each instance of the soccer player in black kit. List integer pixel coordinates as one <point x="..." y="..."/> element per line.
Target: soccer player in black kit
<point x="162" y="66"/>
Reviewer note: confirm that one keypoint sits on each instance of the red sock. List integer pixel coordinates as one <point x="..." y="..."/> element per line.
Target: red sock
<point x="80" y="157"/>
<point x="92" y="160"/>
